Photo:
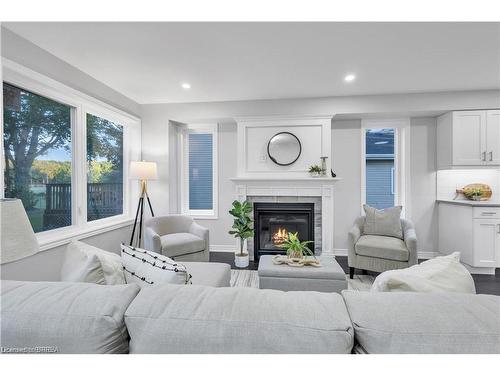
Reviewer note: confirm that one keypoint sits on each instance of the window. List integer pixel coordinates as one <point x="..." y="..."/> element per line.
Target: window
<point x="104" y="168"/>
<point x="385" y="165"/>
<point x="37" y="152"/>
<point x="199" y="167"/>
<point x="65" y="155"/>
<point x="379" y="159"/>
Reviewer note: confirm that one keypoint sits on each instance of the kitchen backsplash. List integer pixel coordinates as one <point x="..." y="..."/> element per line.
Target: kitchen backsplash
<point x="450" y="180"/>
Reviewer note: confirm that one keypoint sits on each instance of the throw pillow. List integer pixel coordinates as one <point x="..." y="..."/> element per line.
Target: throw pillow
<point x="145" y="267"/>
<point x="111" y="263"/>
<point x="441" y="274"/>
<point x="82" y="268"/>
<point x="386" y="222"/>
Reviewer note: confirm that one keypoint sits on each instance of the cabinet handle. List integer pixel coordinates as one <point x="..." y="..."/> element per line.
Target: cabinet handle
<point x="491" y="155"/>
<point x="488" y="213"/>
<point x="483" y="158"/>
<point x="498" y="225"/>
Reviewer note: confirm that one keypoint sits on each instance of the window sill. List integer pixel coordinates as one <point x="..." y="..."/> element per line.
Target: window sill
<point x="63" y="236"/>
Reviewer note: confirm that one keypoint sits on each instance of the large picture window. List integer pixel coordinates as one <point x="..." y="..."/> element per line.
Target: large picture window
<point x="65" y="155"/>
<point x="199" y="193"/>
<point x="37" y="152"/>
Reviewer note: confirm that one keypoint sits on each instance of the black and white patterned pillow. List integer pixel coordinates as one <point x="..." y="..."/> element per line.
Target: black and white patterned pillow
<point x="145" y="267"/>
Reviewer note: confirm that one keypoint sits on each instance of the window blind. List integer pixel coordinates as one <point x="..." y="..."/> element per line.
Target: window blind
<point x="200" y="171"/>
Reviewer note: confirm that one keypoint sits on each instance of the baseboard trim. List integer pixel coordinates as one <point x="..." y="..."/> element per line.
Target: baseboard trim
<point x="223" y="248"/>
<point x="421" y="254"/>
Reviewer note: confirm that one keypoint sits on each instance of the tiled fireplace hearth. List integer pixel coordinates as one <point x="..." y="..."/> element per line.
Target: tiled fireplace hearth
<point x="316" y="192"/>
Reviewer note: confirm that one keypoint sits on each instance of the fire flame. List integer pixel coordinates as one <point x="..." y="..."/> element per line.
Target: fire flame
<point x="280" y="236"/>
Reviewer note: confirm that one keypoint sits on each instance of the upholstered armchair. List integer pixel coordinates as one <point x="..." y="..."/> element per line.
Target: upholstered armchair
<point x="177" y="237"/>
<point x="381" y="253"/>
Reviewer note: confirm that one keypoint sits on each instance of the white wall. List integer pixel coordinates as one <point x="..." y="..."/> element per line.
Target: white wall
<point x="346" y="140"/>
<point x="423" y="182"/>
<point x="346" y="154"/>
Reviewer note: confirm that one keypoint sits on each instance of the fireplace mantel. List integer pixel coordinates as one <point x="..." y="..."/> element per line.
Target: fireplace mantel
<point x="309" y="180"/>
<point x="322" y="187"/>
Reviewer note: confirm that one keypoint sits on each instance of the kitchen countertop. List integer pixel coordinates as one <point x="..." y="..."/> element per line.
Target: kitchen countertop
<point x="492" y="203"/>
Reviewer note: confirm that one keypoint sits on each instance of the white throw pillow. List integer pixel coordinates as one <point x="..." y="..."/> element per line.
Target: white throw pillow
<point x="111" y="263"/>
<point x="386" y="222"/>
<point x="79" y="267"/>
<point x="441" y="274"/>
<point x="145" y="267"/>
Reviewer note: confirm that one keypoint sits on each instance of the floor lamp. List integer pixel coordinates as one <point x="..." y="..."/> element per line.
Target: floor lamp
<point x="142" y="171"/>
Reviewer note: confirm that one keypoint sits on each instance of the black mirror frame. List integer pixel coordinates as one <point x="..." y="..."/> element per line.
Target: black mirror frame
<point x="274" y="160"/>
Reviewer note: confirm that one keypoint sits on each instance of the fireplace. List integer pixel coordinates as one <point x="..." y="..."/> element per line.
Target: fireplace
<point x="273" y="222"/>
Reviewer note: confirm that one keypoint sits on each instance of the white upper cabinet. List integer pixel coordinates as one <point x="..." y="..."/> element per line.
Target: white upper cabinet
<point x="493" y="137"/>
<point x="468" y="139"/>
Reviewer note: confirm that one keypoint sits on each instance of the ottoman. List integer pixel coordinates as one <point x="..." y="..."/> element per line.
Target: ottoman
<point x="330" y="277"/>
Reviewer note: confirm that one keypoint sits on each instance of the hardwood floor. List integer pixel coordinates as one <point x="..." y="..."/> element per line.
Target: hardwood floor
<point x="485" y="284"/>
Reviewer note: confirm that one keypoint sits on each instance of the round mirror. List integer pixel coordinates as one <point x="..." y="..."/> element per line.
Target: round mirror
<point x="284" y="148"/>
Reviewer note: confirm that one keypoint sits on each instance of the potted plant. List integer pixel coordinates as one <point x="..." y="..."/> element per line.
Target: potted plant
<point x="315" y="171"/>
<point x="242" y="229"/>
<point x="295" y="249"/>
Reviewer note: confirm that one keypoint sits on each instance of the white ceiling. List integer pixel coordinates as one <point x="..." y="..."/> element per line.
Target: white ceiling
<point x="236" y="61"/>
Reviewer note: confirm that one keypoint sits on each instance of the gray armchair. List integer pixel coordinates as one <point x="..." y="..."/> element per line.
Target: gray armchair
<point x="380" y="253"/>
<point x="177" y="237"/>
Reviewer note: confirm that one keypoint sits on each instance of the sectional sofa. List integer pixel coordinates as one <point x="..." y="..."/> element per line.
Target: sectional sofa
<point x="89" y="318"/>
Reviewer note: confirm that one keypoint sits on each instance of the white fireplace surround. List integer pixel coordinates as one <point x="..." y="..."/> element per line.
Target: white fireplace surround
<point x="258" y="176"/>
<point x="322" y="187"/>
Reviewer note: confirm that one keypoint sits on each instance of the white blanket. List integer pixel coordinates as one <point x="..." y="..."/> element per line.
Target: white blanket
<point x="441" y="274"/>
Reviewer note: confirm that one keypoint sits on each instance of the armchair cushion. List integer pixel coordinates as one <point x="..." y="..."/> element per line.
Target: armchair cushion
<point x="386" y="222"/>
<point x="382" y="247"/>
<point x="177" y="244"/>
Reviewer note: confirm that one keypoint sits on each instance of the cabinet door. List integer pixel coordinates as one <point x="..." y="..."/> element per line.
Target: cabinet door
<point x="486" y="242"/>
<point x="493" y="137"/>
<point x="469" y="138"/>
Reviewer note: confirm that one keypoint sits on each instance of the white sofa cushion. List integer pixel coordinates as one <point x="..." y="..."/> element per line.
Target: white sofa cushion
<point x="199" y="319"/>
<point x="77" y="251"/>
<point x="424" y="323"/>
<point x="67" y="317"/>
<point x="79" y="267"/>
<point x="441" y="274"/>
<point x="145" y="267"/>
<point x="386" y="222"/>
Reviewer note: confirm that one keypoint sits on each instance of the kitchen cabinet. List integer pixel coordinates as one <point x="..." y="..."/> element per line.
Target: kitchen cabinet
<point x="468" y="139"/>
<point x="473" y="229"/>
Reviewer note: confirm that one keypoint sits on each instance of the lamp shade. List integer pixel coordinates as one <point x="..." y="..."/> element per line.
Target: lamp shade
<point x="143" y="170"/>
<point x="17" y="236"/>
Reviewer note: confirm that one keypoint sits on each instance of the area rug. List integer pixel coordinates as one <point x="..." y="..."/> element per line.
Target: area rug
<point x="250" y="279"/>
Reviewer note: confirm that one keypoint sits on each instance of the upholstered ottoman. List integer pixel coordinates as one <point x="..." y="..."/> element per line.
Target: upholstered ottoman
<point x="328" y="278"/>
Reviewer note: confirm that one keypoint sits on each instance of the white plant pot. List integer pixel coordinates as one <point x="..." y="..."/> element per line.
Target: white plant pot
<point x="241" y="261"/>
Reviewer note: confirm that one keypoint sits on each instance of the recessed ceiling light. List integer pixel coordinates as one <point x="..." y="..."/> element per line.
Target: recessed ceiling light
<point x="349" y="78"/>
<point x="186" y="86"/>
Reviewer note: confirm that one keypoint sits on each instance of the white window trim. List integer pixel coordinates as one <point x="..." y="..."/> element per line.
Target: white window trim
<point x="81" y="104"/>
<point x="184" y="181"/>
<point x="402" y="161"/>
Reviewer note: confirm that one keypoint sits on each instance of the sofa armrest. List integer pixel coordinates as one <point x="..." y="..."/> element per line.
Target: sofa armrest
<point x="152" y="240"/>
